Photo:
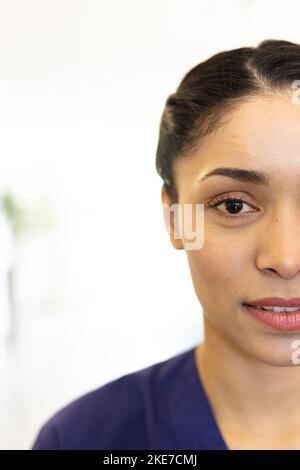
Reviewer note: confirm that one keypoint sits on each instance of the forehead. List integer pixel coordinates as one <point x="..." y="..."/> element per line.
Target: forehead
<point x="262" y="133"/>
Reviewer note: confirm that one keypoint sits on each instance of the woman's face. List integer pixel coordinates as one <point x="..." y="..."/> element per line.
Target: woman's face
<point x="255" y="251"/>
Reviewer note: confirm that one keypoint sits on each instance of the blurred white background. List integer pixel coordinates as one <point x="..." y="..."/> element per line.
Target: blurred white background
<point x="82" y="88"/>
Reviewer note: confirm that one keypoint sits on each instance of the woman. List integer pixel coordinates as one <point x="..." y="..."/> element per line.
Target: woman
<point x="229" y="143"/>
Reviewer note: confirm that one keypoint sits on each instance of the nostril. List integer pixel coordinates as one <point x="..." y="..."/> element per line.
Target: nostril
<point x="271" y="269"/>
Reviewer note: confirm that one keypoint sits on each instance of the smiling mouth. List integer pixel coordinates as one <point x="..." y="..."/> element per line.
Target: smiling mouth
<point x="279" y="318"/>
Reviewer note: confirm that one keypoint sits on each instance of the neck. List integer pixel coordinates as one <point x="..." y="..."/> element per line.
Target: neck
<point x="244" y="390"/>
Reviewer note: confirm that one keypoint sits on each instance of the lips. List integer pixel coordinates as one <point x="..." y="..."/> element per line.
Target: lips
<point x="280" y="320"/>
<point x="275" y="302"/>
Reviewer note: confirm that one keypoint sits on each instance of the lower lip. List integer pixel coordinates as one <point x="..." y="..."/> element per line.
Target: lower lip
<point x="277" y="320"/>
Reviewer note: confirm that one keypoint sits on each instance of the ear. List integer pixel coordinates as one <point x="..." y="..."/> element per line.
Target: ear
<point x="171" y="221"/>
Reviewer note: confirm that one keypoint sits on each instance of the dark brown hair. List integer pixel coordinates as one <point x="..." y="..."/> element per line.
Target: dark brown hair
<point x="211" y="89"/>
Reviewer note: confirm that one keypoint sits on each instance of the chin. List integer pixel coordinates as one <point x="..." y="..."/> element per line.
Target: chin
<point x="281" y="352"/>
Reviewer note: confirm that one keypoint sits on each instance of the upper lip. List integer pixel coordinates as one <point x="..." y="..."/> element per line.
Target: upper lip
<point x="276" y="302"/>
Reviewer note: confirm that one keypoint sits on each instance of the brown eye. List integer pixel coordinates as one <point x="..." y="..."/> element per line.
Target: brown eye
<point x="233" y="206"/>
<point x="229" y="206"/>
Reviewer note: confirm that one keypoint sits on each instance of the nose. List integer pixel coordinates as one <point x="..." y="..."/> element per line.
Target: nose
<point x="279" y="250"/>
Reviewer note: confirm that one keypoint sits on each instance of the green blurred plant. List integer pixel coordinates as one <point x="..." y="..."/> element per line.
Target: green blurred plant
<point x="24" y="219"/>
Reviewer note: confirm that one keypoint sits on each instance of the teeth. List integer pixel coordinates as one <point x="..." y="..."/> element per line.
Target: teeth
<point x="279" y="309"/>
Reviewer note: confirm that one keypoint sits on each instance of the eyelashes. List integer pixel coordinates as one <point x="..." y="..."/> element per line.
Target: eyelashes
<point x="230" y="201"/>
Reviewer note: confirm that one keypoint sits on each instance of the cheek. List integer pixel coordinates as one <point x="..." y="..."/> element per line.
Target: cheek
<point x="219" y="269"/>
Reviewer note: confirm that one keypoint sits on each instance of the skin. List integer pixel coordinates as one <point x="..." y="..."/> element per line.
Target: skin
<point x="244" y="365"/>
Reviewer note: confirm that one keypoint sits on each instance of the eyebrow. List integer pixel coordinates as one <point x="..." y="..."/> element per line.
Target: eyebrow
<point x="240" y="174"/>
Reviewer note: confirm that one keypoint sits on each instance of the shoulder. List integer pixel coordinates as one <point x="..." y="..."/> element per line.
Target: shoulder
<point x="120" y="414"/>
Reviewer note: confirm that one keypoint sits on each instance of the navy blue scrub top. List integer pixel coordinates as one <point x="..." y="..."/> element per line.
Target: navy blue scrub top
<point x="162" y="406"/>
